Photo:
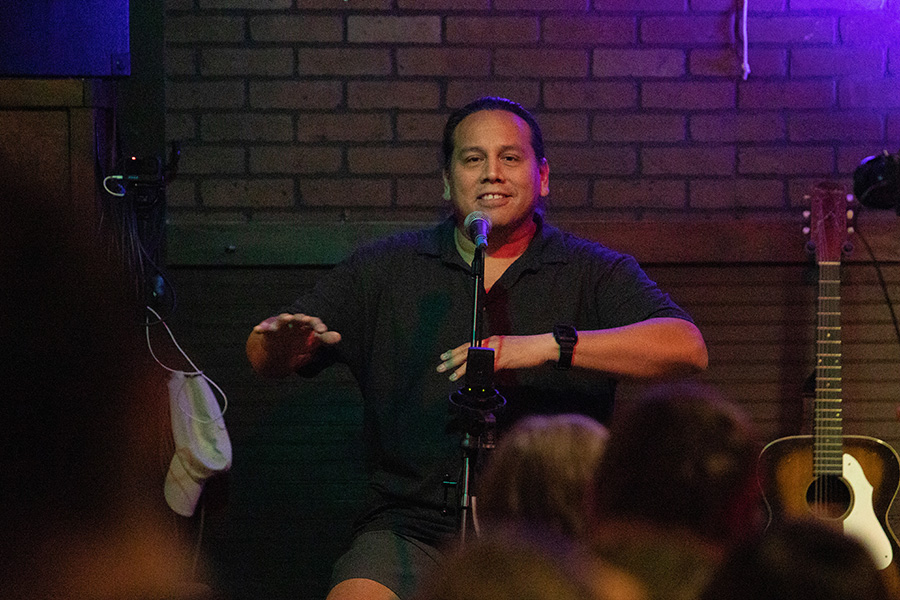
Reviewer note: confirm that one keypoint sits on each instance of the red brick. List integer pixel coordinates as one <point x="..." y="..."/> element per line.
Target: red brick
<point x="392" y="94"/>
<point x="729" y="62"/>
<point x="638" y="127"/>
<point x="210" y="94"/>
<point x="247" y="4"/>
<point x="718" y="160"/>
<point x="655" y="62"/>
<point x="394" y="160"/>
<point x="462" y="91"/>
<point x="838" y="5"/>
<point x="295" y="94"/>
<point x="691" y="29"/>
<point x="417" y="191"/>
<point x="540" y="5"/>
<point x="265" y="62"/>
<point x="181" y="61"/>
<point x="737" y="193"/>
<point x="343" y="127"/>
<point x="540" y="63"/>
<point x="348" y="6"/>
<point x="589" y="30"/>
<point x="345" y="192"/>
<point x="344" y="61"/>
<point x="797" y="160"/>
<point x="208" y="160"/>
<point x="738" y="127"/>
<point x="589" y="94"/>
<point x="565" y="127"/>
<point x="870" y="93"/>
<point x="296" y="28"/>
<point x="293" y="159"/>
<point x="859" y="62"/>
<point x="843" y="126"/>
<point x="443" y="5"/>
<point x="182" y="193"/>
<point x="728" y="5"/>
<point x="893" y="127"/>
<point x="247" y="127"/>
<point x="192" y="29"/>
<point x="868" y="29"/>
<point x="639" y="193"/>
<point x="637" y="6"/>
<point x="420" y="127"/>
<point x="249" y="193"/>
<point x="810" y="93"/>
<point x="443" y="61"/>
<point x="688" y="95"/>
<point x="389" y="29"/>
<point x="568" y="192"/>
<point x="492" y="31"/>
<point x="181" y="126"/>
<point x="791" y="30"/>
<point x="592" y="160"/>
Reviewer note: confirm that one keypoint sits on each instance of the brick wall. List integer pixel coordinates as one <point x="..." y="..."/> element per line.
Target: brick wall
<point x="334" y="107"/>
<point x="305" y="114"/>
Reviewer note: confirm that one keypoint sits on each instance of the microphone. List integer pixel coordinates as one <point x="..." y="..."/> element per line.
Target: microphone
<point x="478" y="226"/>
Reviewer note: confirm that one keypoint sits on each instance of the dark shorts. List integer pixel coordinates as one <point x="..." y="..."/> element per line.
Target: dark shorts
<point x="395" y="561"/>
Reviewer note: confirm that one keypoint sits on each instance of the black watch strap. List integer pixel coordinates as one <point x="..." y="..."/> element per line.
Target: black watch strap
<point x="566" y="336"/>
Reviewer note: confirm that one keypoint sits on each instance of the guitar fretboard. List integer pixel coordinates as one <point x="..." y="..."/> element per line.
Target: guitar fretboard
<point x="828" y="445"/>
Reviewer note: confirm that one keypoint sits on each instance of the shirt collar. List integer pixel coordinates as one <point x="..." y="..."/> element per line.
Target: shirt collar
<point x="547" y="246"/>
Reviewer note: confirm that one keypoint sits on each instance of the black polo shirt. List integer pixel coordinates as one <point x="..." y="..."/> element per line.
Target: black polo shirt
<point x="401" y="302"/>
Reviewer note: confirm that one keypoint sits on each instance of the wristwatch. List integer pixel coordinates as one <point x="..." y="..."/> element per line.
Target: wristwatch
<point x="566" y="336"/>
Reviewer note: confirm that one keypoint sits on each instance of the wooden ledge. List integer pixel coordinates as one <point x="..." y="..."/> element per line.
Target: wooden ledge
<point x="751" y="240"/>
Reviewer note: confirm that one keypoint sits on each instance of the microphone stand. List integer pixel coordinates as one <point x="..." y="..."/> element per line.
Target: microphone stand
<point x="475" y="403"/>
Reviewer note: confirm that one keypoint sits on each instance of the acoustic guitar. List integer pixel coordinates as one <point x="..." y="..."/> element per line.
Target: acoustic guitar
<point x="849" y="481"/>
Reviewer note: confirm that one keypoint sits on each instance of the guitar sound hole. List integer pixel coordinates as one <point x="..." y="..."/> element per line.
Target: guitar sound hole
<point x="828" y="497"/>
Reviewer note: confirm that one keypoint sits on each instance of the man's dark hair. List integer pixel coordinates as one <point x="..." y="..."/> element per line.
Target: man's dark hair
<point x="491" y="103"/>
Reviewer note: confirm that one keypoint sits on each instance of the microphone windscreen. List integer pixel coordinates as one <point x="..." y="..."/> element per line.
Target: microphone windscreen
<point x="476" y="215"/>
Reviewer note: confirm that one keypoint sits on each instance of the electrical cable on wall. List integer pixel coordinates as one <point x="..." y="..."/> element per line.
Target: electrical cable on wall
<point x="745" y="55"/>
<point x="196" y="372"/>
<point x="882" y="283"/>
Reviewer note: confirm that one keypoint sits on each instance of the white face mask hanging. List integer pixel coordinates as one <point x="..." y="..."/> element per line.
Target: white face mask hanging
<point x="202" y="445"/>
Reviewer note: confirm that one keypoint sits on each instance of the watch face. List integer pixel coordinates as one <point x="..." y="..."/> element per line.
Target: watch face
<point x="565" y="333"/>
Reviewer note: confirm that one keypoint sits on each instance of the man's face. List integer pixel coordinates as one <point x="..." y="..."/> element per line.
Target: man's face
<point x="493" y="169"/>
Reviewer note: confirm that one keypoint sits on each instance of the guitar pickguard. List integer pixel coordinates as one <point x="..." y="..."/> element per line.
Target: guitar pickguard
<point x="862" y="523"/>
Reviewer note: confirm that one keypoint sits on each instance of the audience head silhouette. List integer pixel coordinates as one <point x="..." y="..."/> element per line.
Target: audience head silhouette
<point x="541" y="472"/>
<point x="682" y="456"/>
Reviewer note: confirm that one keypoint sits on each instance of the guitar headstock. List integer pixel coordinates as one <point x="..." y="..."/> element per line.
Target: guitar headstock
<point x="832" y="218"/>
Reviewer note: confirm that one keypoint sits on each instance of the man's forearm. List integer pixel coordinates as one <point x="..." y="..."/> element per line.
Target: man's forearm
<point x="649" y="349"/>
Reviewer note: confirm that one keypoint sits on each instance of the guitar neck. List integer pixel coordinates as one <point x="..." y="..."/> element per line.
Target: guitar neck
<point x="828" y="448"/>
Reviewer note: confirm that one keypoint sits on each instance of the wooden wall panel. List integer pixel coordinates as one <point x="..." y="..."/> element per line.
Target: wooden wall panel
<point x="298" y="475"/>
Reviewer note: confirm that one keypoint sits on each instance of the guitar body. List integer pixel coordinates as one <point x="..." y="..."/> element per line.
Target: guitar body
<point x="859" y="500"/>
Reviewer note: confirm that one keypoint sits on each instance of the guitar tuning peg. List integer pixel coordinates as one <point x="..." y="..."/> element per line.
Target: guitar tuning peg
<point x="806" y="214"/>
<point x="806" y="231"/>
<point x="806" y="197"/>
<point x="850" y="198"/>
<point x="850" y="214"/>
<point x="851" y="230"/>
